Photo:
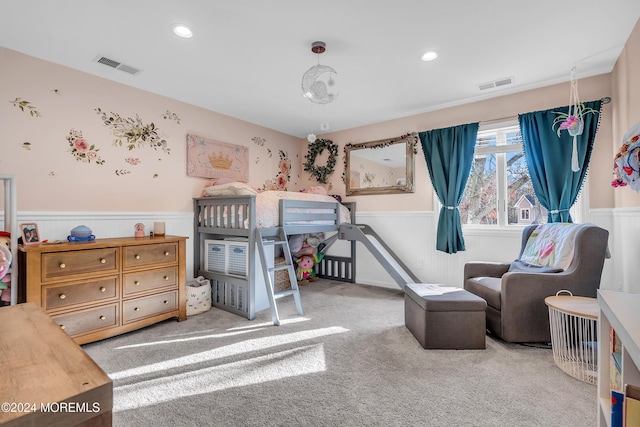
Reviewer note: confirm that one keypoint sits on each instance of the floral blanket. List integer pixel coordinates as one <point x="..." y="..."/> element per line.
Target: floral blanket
<point x="551" y="245"/>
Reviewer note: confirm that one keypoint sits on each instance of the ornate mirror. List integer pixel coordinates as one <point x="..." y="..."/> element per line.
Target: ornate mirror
<point x="380" y="167"/>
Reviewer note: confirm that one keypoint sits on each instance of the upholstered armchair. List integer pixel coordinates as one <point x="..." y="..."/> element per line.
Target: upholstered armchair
<point x="515" y="291"/>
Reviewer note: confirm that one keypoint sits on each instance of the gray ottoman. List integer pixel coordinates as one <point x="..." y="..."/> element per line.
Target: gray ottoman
<point x="443" y="317"/>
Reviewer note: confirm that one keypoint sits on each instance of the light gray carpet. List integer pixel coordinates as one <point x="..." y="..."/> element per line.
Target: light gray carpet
<point x="349" y="361"/>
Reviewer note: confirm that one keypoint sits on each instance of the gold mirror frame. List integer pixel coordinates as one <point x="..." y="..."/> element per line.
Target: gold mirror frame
<point x="403" y="182"/>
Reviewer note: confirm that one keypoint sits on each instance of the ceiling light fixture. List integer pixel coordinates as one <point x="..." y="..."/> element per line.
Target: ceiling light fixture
<point x="318" y="80"/>
<point x="182" y="30"/>
<point x="430" y="56"/>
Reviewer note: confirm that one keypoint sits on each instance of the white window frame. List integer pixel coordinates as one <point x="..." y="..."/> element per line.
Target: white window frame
<point x="579" y="210"/>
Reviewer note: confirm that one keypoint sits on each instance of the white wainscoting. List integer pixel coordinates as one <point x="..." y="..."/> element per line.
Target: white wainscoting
<point x="411" y="235"/>
<point x="625" y="250"/>
<point x="58" y="225"/>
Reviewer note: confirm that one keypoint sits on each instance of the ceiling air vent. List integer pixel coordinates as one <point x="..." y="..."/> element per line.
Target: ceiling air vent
<point x="496" y="83"/>
<point x="117" y="65"/>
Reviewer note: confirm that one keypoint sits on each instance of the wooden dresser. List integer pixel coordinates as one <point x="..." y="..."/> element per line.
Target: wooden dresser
<point x="98" y="289"/>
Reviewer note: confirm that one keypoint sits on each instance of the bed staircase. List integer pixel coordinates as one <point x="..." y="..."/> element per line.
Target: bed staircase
<point x="272" y="295"/>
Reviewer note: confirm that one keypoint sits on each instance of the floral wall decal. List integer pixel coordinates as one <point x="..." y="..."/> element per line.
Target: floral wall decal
<point x="133" y="161"/>
<point x="81" y="150"/>
<point x="133" y="132"/>
<point x="120" y="172"/>
<point x="26" y="106"/>
<point x="258" y="140"/>
<point x="171" y="116"/>
<point x="283" y="176"/>
<point x="26" y="145"/>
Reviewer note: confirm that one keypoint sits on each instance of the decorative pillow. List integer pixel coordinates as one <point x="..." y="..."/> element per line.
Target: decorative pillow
<point x="551" y="245"/>
<point x="231" y="189"/>
<point x="222" y="181"/>
<point x="523" y="267"/>
<point x="318" y="189"/>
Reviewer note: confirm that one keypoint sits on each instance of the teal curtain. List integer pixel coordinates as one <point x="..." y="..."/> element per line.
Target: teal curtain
<point x="449" y="154"/>
<point x="549" y="158"/>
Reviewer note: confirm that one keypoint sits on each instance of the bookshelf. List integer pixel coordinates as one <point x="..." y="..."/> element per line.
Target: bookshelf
<point x="620" y="311"/>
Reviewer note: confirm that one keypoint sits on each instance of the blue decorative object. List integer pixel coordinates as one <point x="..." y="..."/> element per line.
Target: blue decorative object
<point x="81" y="233"/>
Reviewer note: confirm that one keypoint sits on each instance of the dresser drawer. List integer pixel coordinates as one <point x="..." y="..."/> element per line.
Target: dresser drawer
<point x="149" y="280"/>
<point x="145" y="255"/>
<point x="60" y="296"/>
<point x="149" y="306"/>
<point x="80" y="322"/>
<point x="86" y="262"/>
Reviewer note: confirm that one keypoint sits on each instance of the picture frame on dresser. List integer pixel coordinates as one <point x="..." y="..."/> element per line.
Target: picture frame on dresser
<point x="30" y="234"/>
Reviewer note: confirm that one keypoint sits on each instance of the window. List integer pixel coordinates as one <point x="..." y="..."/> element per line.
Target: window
<point x="499" y="190"/>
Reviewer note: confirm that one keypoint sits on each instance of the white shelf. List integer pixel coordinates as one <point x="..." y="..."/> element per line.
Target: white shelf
<point x="621" y="311"/>
<point x="11" y="225"/>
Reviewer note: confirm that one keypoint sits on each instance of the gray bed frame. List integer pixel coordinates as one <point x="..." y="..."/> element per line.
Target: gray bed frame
<point x="219" y="218"/>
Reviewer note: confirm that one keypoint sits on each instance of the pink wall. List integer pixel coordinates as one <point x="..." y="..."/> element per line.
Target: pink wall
<point x="626" y="113"/>
<point x="508" y="106"/>
<point x="49" y="178"/>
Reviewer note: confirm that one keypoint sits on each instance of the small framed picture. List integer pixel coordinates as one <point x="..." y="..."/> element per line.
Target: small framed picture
<point x="29" y="231"/>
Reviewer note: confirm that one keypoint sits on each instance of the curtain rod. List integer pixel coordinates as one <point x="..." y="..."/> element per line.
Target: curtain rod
<point x="605" y="100"/>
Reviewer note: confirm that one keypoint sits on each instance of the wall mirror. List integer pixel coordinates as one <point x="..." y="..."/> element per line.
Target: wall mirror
<point x="380" y="167"/>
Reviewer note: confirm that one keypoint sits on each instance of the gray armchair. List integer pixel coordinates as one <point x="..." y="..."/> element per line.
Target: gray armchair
<point x="516" y="311"/>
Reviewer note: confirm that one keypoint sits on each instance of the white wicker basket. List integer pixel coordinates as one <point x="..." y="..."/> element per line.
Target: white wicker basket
<point x="573" y="322"/>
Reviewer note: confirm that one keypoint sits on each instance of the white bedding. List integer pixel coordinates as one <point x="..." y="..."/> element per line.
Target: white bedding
<point x="268" y="207"/>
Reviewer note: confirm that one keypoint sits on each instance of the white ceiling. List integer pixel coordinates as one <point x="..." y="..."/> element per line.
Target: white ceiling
<point x="247" y="57"/>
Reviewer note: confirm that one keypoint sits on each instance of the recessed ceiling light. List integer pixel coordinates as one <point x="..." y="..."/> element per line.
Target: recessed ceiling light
<point x="430" y="56"/>
<point x="182" y="31"/>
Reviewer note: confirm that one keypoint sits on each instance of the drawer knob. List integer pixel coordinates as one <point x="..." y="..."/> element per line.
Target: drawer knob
<point x="137" y="283"/>
<point x="166" y="302"/>
<point x="102" y="317"/>
<point x="166" y="253"/>
<point x="137" y="256"/>
<point x="166" y="277"/>
<point x="136" y="309"/>
<point x="103" y="289"/>
<point x="62" y="296"/>
<point x="62" y="265"/>
<point x="103" y="261"/>
<point x="62" y="327"/>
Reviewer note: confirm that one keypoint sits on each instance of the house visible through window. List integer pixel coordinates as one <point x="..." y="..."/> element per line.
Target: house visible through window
<point x="499" y="190"/>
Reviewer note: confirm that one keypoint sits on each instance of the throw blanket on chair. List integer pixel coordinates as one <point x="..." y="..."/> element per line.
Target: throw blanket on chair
<point x="551" y="245"/>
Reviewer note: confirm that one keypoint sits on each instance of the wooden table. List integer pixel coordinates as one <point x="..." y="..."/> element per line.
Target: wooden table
<point x="46" y="378"/>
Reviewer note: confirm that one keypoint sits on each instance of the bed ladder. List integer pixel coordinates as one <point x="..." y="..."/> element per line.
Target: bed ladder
<point x="272" y="295"/>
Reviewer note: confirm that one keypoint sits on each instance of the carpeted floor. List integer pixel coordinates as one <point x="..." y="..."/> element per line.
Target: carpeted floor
<point x="349" y="361"/>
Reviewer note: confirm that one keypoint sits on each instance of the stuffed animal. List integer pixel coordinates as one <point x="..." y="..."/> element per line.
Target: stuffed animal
<point x="305" y="271"/>
<point x="5" y="263"/>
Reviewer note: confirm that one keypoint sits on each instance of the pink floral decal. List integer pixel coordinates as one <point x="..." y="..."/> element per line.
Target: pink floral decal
<point x="81" y="150"/>
<point x="133" y="161"/>
<point x="282" y="177"/>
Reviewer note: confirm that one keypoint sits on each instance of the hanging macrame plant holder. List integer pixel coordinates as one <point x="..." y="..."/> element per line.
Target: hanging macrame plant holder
<point x="573" y="120"/>
<point x="576" y="126"/>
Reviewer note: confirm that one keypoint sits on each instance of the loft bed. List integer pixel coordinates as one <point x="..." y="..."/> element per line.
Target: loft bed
<point x="224" y="232"/>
